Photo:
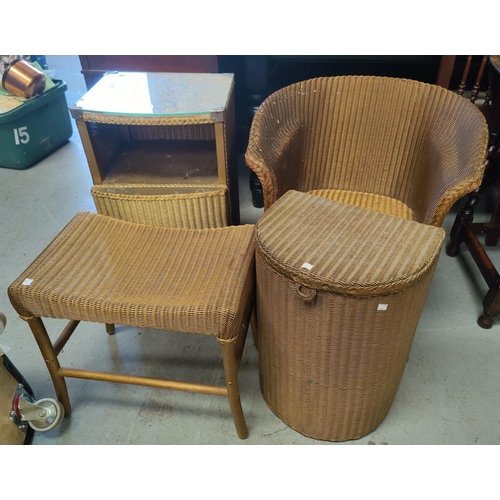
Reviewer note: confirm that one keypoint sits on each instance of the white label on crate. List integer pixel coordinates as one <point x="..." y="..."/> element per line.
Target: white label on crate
<point x="27" y="282"/>
<point x="21" y="135"/>
<point x="307" y="266"/>
<point x="382" y="307"/>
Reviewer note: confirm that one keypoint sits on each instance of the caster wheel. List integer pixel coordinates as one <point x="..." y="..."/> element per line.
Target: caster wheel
<point x="54" y="415"/>
<point x="485" y="321"/>
<point x="452" y="250"/>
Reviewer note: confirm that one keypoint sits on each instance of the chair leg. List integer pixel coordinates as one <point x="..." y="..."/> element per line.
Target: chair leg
<point x="492" y="236"/>
<point x="463" y="218"/>
<point x="110" y="329"/>
<point x="491" y="307"/>
<point x="229" y="358"/>
<point x="48" y="353"/>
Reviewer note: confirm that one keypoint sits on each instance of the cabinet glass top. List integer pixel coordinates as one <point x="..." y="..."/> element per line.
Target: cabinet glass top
<point x="157" y="94"/>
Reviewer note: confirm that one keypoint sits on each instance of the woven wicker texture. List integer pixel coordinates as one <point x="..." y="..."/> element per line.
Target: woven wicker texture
<point x="105" y="270"/>
<point x="417" y="143"/>
<point x="173" y="132"/>
<point x="190" y="206"/>
<point x="372" y="201"/>
<point x="153" y="120"/>
<point x="352" y="250"/>
<point x="331" y="363"/>
<point x="106" y="141"/>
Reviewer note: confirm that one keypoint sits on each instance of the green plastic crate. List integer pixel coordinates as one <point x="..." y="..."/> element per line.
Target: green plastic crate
<point x="33" y="130"/>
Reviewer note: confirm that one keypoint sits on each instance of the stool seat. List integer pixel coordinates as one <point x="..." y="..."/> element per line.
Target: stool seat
<point x="105" y="270"/>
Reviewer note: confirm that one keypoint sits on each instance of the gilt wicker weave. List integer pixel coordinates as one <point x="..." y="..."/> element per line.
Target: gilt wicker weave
<point x="190" y="206"/>
<point x="413" y="142"/>
<point x="109" y="271"/>
<point x="340" y="290"/>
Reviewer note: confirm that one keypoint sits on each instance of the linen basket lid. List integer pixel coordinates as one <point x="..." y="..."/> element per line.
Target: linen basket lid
<point x="331" y="246"/>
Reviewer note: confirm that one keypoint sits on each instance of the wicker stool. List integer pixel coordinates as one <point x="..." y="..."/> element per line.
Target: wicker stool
<point x="106" y="270"/>
<point x="340" y="290"/>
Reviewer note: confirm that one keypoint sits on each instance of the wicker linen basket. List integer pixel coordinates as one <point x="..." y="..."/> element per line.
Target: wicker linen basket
<point x="190" y="206"/>
<point x="340" y="290"/>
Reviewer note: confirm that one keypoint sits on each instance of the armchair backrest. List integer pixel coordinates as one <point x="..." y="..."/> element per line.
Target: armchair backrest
<point x="404" y="139"/>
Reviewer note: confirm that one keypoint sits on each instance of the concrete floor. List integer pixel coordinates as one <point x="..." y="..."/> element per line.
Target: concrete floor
<point x="450" y="392"/>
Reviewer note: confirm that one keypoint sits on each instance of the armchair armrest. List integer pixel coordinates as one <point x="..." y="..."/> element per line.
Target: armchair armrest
<point x="274" y="153"/>
<point x="453" y="165"/>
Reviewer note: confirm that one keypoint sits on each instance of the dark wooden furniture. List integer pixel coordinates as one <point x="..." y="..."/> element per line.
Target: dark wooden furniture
<point x="464" y="229"/>
<point x="93" y="67"/>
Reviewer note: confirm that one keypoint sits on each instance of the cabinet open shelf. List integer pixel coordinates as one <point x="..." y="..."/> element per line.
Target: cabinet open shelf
<point x="163" y="162"/>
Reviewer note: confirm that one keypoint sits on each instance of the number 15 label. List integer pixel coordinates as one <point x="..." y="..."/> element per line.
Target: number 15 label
<point x="21" y="135"/>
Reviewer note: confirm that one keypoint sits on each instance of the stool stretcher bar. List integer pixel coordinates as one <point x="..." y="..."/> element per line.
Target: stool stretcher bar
<point x="144" y="381"/>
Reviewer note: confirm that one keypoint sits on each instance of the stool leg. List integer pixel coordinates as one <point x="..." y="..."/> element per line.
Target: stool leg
<point x="229" y="358"/>
<point x="48" y="353"/>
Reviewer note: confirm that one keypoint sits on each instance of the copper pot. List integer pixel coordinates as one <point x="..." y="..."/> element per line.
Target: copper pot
<point x="23" y="80"/>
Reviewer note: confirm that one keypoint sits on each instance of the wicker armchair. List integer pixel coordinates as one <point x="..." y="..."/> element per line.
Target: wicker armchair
<point x="398" y="146"/>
